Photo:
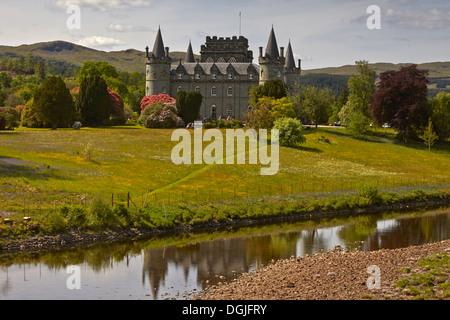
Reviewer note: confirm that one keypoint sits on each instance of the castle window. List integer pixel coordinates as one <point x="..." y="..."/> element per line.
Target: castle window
<point x="250" y="76"/>
<point x="180" y="76"/>
<point x="230" y="76"/>
<point x="230" y="91"/>
<point x="213" y="112"/>
<point x="213" y="76"/>
<point x="229" y="111"/>
<point x="197" y="89"/>
<point x="278" y="74"/>
<point x="249" y="108"/>
<point x="164" y="90"/>
<point x="214" y="91"/>
<point x="197" y="76"/>
<point x="179" y="88"/>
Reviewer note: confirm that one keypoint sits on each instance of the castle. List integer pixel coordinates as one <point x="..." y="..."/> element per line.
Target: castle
<point x="223" y="75"/>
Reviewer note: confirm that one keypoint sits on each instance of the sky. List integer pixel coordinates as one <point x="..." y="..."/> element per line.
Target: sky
<point x="323" y="33"/>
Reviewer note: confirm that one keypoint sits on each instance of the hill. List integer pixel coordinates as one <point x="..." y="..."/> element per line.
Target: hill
<point x="436" y="69"/>
<point x="74" y="55"/>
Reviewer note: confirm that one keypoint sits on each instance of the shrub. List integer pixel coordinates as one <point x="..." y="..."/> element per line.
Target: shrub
<point x="10" y="118"/>
<point x="368" y="193"/>
<point x="162" y="116"/>
<point x="291" y="131"/>
<point x="163" y="98"/>
<point x="100" y="214"/>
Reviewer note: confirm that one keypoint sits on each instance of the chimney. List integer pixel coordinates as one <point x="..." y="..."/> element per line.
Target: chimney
<point x="260" y="51"/>
<point x="282" y="52"/>
<point x="146" y="51"/>
<point x="299" y="63"/>
<point x="167" y="51"/>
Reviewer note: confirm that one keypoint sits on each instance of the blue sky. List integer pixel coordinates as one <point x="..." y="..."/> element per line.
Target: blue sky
<point x="323" y="33"/>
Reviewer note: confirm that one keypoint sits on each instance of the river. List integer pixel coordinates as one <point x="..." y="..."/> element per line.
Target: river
<point x="176" y="266"/>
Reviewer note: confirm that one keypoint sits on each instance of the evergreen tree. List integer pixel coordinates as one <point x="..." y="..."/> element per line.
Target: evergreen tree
<point x="273" y="89"/>
<point x="53" y="103"/>
<point x="188" y="105"/>
<point x="93" y="101"/>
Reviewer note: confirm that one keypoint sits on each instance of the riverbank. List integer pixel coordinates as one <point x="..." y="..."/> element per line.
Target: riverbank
<point x="342" y="275"/>
<point x="74" y="238"/>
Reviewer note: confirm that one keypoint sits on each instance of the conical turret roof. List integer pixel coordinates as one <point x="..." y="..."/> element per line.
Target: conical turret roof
<point x="272" y="46"/>
<point x="158" y="48"/>
<point x="290" y="62"/>
<point x="189" y="54"/>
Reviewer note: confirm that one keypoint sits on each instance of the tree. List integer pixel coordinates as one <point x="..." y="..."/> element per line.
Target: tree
<point x="53" y="103"/>
<point x="313" y="104"/>
<point x="440" y="113"/>
<point x="164" y="98"/>
<point x="93" y="102"/>
<point x="361" y="88"/>
<point x="290" y="131"/>
<point x="428" y="135"/>
<point x="273" y="88"/>
<point x="188" y="105"/>
<point x="161" y="115"/>
<point x="401" y="100"/>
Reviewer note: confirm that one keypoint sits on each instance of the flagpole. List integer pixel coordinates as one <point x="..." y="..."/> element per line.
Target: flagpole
<point x="240" y="23"/>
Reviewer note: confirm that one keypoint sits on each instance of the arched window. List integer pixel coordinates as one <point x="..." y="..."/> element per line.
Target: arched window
<point x="197" y="89"/>
<point x="164" y="90"/>
<point x="214" y="91"/>
<point x="249" y="108"/>
<point x="213" y="112"/>
<point x="229" y="111"/>
<point x="230" y="91"/>
<point x="179" y="88"/>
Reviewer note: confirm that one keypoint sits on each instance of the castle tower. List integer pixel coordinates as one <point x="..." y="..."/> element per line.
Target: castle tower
<point x="271" y="63"/>
<point x="158" y="65"/>
<point x="291" y="73"/>
<point x="189" y="54"/>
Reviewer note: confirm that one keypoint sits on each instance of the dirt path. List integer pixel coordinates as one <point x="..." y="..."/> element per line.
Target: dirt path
<point x="335" y="275"/>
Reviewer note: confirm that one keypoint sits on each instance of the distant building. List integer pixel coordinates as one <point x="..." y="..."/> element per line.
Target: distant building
<point x="223" y="75"/>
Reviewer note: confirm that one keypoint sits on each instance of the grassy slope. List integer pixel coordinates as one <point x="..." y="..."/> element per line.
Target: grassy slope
<point x="44" y="168"/>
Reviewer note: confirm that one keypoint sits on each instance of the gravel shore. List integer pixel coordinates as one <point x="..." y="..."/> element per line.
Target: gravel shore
<point x="334" y="275"/>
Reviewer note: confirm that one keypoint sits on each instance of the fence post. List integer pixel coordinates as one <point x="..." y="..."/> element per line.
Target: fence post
<point x="128" y="200"/>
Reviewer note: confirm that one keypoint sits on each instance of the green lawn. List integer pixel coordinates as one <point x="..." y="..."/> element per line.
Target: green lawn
<point x="42" y="169"/>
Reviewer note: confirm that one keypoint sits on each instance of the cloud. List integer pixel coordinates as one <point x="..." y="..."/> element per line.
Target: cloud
<point x="100" y="42"/>
<point x="419" y="19"/>
<point x="102" y="5"/>
<point x="127" y="28"/>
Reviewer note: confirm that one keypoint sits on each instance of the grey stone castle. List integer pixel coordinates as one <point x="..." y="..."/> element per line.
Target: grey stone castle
<point x="223" y="75"/>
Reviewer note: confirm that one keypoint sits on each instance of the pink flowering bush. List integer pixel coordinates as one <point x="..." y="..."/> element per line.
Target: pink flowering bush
<point x="163" y="98"/>
<point x="160" y="115"/>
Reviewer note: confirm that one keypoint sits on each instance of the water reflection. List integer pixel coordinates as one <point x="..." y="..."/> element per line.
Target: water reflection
<point x="165" y="268"/>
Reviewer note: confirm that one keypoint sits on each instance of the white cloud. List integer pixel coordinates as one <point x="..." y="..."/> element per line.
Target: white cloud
<point x="421" y="19"/>
<point x="100" y="42"/>
<point x="127" y="28"/>
<point x="101" y="5"/>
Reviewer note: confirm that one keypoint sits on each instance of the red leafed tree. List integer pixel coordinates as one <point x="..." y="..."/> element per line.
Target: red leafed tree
<point x="401" y="100"/>
<point x="164" y="98"/>
<point x="117" y="106"/>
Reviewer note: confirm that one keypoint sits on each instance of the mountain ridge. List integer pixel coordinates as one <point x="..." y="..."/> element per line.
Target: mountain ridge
<point x="132" y="60"/>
